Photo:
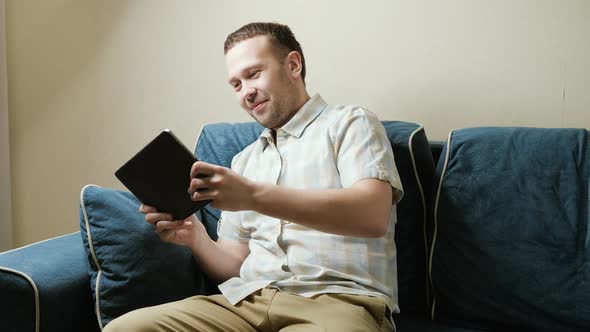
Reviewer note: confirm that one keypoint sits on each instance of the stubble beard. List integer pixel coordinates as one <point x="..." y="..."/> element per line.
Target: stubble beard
<point x="277" y="115"/>
<point x="278" y="112"/>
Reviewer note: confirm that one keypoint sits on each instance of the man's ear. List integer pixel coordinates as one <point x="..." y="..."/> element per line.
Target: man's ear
<point x="293" y="61"/>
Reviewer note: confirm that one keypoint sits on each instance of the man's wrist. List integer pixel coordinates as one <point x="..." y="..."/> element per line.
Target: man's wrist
<point x="256" y="198"/>
<point x="201" y="236"/>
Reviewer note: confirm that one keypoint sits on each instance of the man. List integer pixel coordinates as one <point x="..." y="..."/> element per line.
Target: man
<point x="306" y="234"/>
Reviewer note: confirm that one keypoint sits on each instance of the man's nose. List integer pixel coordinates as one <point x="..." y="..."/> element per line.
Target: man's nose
<point x="248" y="94"/>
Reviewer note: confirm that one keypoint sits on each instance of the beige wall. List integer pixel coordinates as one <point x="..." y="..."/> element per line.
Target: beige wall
<point x="6" y="241"/>
<point x="91" y="81"/>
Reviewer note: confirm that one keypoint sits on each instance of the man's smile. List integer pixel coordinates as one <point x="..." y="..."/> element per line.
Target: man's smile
<point x="257" y="106"/>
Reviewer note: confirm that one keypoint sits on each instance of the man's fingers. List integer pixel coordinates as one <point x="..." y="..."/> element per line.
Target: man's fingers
<point x="204" y="195"/>
<point x="165" y="225"/>
<point x="147" y="209"/>
<point x="201" y="168"/>
<point x="153" y="218"/>
<point x="167" y="235"/>
<point x="199" y="184"/>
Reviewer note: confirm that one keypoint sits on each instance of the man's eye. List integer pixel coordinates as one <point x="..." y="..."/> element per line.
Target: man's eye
<point x="254" y="74"/>
<point x="236" y="86"/>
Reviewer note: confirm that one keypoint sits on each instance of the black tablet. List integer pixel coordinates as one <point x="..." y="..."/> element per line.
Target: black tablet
<point x="159" y="175"/>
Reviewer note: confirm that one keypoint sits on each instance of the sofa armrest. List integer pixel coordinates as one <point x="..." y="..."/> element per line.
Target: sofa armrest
<point x="45" y="286"/>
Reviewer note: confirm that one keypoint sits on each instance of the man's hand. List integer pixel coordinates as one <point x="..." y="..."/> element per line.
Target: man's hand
<point x="228" y="190"/>
<point x="221" y="260"/>
<point x="183" y="232"/>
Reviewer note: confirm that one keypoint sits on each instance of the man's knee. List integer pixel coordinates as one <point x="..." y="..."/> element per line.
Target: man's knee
<point x="134" y="321"/>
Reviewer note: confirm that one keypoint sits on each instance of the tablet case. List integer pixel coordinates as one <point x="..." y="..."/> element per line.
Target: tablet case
<point x="159" y="176"/>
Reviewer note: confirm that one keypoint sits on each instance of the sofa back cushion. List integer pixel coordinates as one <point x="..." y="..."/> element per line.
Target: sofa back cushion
<point x="511" y="247"/>
<point x="219" y="143"/>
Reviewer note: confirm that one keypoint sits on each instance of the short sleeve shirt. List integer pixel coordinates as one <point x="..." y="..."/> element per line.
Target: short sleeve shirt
<point x="321" y="147"/>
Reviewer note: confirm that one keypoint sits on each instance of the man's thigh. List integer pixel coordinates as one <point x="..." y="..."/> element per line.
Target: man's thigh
<point x="328" y="312"/>
<point x="199" y="313"/>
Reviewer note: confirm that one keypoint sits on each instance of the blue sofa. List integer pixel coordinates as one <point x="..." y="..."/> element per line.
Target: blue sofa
<point x="493" y="235"/>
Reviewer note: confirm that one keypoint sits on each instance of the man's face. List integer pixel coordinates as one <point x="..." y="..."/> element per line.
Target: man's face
<point x="262" y="81"/>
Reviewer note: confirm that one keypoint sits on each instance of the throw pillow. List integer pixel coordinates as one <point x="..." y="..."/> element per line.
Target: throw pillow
<point x="130" y="267"/>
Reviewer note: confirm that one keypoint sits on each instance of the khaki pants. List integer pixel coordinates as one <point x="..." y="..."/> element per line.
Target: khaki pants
<point x="266" y="310"/>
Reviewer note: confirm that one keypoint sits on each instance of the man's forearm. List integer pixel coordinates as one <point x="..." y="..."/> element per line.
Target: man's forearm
<point x="362" y="210"/>
<point x="218" y="259"/>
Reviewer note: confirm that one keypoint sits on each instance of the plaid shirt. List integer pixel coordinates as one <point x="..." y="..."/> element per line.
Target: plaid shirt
<point x="321" y="147"/>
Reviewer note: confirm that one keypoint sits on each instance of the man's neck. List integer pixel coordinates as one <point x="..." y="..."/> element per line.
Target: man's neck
<point x="302" y="99"/>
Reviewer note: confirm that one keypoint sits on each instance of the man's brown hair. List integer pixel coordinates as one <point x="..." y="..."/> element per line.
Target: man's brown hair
<point x="279" y="35"/>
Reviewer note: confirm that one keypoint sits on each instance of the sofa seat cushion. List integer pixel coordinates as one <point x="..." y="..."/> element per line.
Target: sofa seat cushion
<point x="413" y="323"/>
<point x="512" y="236"/>
<point x="130" y="267"/>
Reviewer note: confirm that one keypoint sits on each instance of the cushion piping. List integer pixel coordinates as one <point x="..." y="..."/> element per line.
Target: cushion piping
<point x="415" y="169"/>
<point x="92" y="253"/>
<point x="35" y="291"/>
<point x="447" y="155"/>
<point x="32" y="244"/>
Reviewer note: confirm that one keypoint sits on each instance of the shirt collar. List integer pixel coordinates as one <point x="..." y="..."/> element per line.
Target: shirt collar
<point x="303" y="118"/>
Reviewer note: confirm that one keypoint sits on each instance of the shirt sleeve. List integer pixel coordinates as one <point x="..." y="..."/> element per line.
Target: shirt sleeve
<point x="364" y="151"/>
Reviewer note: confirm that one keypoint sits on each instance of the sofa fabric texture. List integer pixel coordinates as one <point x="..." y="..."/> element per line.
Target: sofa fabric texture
<point x="512" y="236"/>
